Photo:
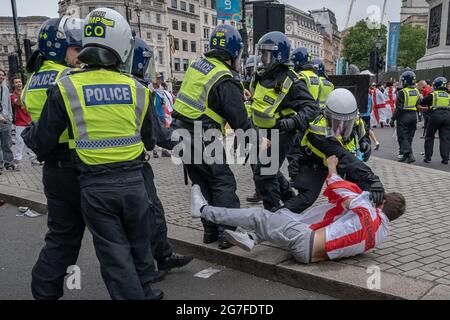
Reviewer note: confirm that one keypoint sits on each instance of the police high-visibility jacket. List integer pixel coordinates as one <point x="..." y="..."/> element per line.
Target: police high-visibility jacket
<point x="312" y="81"/>
<point x="200" y="77"/>
<point x="318" y="126"/>
<point x="441" y="100"/>
<point x="106" y="112"/>
<point x="34" y="94"/>
<point x="266" y="101"/>
<point x="412" y="96"/>
<point x="326" y="87"/>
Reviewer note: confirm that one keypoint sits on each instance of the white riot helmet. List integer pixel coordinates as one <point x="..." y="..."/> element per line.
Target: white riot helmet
<point x="106" y="28"/>
<point x="341" y="111"/>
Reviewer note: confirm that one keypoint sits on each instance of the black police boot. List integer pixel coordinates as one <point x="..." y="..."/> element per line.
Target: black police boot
<point x="287" y="195"/>
<point x="158" y="276"/>
<point x="255" y="198"/>
<point x="403" y="158"/>
<point x="210" y="237"/>
<point x="157" y="295"/>
<point x="223" y="242"/>
<point x="444" y="161"/>
<point x="426" y="160"/>
<point x="173" y="261"/>
<point x="410" y="159"/>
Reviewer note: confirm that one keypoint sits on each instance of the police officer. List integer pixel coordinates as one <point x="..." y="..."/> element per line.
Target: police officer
<point x="338" y="131"/>
<point x="326" y="86"/>
<point x="280" y="101"/>
<point x="106" y="113"/>
<point x="144" y="68"/>
<point x="405" y="115"/>
<point x="306" y="70"/>
<point x="58" y="46"/>
<point x="438" y="103"/>
<point x="210" y="96"/>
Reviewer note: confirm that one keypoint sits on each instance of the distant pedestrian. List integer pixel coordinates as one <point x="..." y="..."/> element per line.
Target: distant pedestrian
<point x="6" y="119"/>
<point x="23" y="119"/>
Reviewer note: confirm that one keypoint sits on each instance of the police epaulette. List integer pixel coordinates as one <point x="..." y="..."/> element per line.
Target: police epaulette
<point x="293" y="76"/>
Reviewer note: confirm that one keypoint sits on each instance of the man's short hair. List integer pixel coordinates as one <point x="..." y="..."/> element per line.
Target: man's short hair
<point x="15" y="78"/>
<point x="4" y="72"/>
<point x="394" y="206"/>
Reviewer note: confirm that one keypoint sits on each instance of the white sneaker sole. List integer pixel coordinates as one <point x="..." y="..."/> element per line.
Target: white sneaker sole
<point x="229" y="236"/>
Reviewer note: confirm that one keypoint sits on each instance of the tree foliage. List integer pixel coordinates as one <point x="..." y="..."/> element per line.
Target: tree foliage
<point x="412" y="45"/>
<point x="360" y="42"/>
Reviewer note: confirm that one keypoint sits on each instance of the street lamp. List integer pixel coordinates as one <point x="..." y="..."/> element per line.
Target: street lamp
<point x="127" y="10"/>
<point x="138" y="13"/>
<point x="378" y="46"/>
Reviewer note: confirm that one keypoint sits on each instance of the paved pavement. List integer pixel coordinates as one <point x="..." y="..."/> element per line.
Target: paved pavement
<point x="418" y="245"/>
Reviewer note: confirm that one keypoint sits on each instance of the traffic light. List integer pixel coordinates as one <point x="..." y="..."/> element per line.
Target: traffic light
<point x="13" y="65"/>
<point x="27" y="45"/>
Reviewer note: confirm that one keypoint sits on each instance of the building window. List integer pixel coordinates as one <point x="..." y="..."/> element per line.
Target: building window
<point x="205" y="3"/>
<point x="213" y="4"/>
<point x="149" y="35"/>
<point x="206" y="33"/>
<point x="214" y="20"/>
<point x="185" y="64"/>
<point x="191" y="8"/>
<point x="185" y="45"/>
<point x="91" y="9"/>
<point x="174" y="4"/>
<point x="176" y="43"/>
<point x="160" y="57"/>
<point x="193" y="46"/>
<point x="184" y="26"/>
<point x="192" y="27"/>
<point x="176" y="64"/>
<point x="206" y="47"/>
<point x="206" y="17"/>
<point x="159" y="37"/>
<point x="5" y="49"/>
<point x="158" y="18"/>
<point x="183" y="5"/>
<point x="175" y="24"/>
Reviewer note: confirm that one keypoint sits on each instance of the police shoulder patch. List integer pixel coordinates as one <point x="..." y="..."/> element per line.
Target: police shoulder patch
<point x="107" y="94"/>
<point x="314" y="80"/>
<point x="413" y="93"/>
<point x="203" y="66"/>
<point x="268" y="100"/>
<point x="443" y="94"/>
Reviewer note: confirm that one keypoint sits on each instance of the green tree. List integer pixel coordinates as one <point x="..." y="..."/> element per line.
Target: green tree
<point x="411" y="46"/>
<point x="360" y="42"/>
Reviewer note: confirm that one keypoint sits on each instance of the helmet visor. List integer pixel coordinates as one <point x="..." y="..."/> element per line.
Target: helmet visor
<point x="150" y="71"/>
<point x="70" y="29"/>
<point x="339" y="127"/>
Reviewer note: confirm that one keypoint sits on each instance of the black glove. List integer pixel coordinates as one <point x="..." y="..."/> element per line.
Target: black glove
<point x="392" y="123"/>
<point x="376" y="190"/>
<point x="364" y="147"/>
<point x="286" y="125"/>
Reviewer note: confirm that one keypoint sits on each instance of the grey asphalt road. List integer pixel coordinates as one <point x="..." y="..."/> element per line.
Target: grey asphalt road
<point x="21" y="239"/>
<point x="389" y="148"/>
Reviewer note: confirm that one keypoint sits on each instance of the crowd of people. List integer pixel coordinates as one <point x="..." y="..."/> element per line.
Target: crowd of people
<point x="429" y="104"/>
<point x="96" y="108"/>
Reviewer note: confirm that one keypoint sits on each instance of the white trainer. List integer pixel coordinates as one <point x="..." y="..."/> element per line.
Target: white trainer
<point x="239" y="239"/>
<point x="197" y="201"/>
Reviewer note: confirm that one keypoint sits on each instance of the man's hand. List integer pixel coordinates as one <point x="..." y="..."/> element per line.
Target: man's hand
<point x="247" y="95"/>
<point x="377" y="192"/>
<point x="364" y="147"/>
<point x="392" y="123"/>
<point x="265" y="144"/>
<point x="2" y="119"/>
<point x="286" y="125"/>
<point x="332" y="163"/>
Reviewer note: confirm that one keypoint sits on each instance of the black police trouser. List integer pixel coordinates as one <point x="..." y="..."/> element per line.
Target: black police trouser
<point x="406" y="128"/>
<point x="439" y="120"/>
<point x="293" y="158"/>
<point x="161" y="247"/>
<point x="116" y="210"/>
<point x="65" y="232"/>
<point x="426" y="117"/>
<point x="308" y="183"/>
<point x="218" y="186"/>
<point x="268" y="184"/>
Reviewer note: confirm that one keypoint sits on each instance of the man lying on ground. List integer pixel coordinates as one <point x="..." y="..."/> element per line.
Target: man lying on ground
<point x="348" y="225"/>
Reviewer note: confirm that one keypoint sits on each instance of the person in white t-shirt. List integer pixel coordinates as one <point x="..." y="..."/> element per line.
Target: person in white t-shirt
<point x="348" y="225"/>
